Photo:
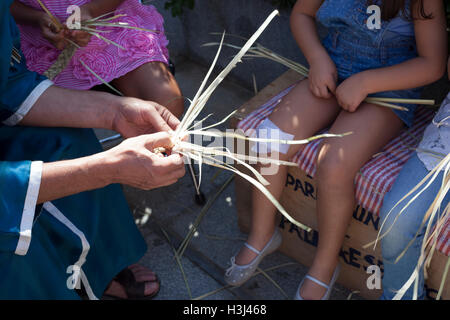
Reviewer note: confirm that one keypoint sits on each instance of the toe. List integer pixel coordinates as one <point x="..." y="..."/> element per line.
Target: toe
<point x="151" y="288"/>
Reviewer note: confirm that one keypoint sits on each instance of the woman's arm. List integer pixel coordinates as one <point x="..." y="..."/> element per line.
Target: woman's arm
<point x="99" y="7"/>
<point x="24" y="14"/>
<point x="323" y="73"/>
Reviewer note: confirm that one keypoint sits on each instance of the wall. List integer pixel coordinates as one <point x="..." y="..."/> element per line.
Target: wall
<point x="241" y="17"/>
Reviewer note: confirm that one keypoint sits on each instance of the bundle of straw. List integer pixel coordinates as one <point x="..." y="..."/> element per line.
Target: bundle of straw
<point x="199" y="153"/>
<point x="429" y="244"/>
<point x="208" y="155"/>
<point x="259" y="51"/>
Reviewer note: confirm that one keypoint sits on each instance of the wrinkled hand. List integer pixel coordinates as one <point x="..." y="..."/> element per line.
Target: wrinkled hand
<point x="351" y="93"/>
<point x="323" y="77"/>
<point x="57" y="36"/>
<point x="51" y="32"/>
<point x="136" y="117"/>
<point x="80" y="37"/>
<point x="136" y="165"/>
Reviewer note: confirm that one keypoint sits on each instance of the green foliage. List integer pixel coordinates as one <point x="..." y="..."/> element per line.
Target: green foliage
<point x="177" y="6"/>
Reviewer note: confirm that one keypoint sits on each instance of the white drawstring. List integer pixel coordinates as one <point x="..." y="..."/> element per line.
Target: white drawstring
<point x="74" y="280"/>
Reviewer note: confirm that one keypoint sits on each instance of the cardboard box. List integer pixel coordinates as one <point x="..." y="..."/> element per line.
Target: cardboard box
<point x="299" y="199"/>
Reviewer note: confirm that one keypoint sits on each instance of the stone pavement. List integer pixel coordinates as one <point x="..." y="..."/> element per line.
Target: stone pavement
<point x="165" y="215"/>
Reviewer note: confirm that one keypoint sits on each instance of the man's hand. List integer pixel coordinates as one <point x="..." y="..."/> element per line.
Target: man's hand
<point x="351" y="93"/>
<point x="135" y="164"/>
<point x="132" y="162"/>
<point x="136" y="117"/>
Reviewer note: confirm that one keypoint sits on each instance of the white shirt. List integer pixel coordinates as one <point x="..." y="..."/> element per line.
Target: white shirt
<point x="436" y="137"/>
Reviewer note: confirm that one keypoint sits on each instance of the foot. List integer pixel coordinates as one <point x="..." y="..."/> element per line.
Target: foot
<point x="245" y="255"/>
<point x="324" y="280"/>
<point x="242" y="270"/>
<point x="312" y="291"/>
<point x="141" y="274"/>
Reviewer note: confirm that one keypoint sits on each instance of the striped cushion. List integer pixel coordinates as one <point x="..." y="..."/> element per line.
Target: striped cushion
<point x="377" y="176"/>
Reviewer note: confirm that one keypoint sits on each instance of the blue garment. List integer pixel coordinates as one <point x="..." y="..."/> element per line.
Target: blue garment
<point x="355" y="48"/>
<point x="405" y="228"/>
<point x="46" y="250"/>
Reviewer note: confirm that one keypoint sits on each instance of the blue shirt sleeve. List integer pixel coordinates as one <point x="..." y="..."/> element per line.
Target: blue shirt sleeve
<point x="14" y="177"/>
<point x="16" y="81"/>
<point x="19" y="181"/>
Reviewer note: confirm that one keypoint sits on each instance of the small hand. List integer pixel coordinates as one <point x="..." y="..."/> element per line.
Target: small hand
<point x="323" y="77"/>
<point x="136" y="165"/>
<point x="351" y="93"/>
<point x="135" y="117"/>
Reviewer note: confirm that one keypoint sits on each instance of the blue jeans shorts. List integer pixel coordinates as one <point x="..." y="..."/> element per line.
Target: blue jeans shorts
<point x="353" y="55"/>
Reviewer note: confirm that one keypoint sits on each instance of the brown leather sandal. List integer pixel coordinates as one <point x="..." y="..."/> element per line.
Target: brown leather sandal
<point x="135" y="290"/>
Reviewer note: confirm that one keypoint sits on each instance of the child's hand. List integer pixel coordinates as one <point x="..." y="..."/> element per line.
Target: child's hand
<point x="51" y="33"/>
<point x="351" y="93"/>
<point x="323" y="78"/>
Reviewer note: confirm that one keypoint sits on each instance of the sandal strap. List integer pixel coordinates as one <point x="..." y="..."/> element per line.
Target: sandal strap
<point x="253" y="249"/>
<point x="320" y="283"/>
<point x="128" y="281"/>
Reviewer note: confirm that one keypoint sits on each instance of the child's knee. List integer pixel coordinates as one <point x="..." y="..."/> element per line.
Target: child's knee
<point x="397" y="231"/>
<point x="392" y="244"/>
<point x="332" y="169"/>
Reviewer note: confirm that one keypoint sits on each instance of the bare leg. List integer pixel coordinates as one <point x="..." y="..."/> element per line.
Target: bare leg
<point x="338" y="162"/>
<point x="153" y="82"/>
<point x="302" y="114"/>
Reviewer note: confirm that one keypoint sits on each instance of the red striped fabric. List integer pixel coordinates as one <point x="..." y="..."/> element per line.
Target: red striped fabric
<point x="377" y="176"/>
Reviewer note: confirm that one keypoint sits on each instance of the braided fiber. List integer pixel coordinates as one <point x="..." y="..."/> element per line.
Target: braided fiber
<point x="61" y="63"/>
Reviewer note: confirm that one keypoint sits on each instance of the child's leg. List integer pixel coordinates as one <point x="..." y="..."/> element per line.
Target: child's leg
<point x="401" y="229"/>
<point x="302" y="114"/>
<point x="154" y="82"/>
<point x="339" y="160"/>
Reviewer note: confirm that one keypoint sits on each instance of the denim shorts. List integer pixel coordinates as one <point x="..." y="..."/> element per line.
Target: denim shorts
<point x="352" y="55"/>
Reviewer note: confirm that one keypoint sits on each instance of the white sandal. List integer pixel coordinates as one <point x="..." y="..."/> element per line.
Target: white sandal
<point x="329" y="287"/>
<point x="237" y="274"/>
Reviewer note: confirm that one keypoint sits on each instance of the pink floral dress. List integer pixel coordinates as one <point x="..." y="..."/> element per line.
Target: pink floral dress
<point x="107" y="60"/>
